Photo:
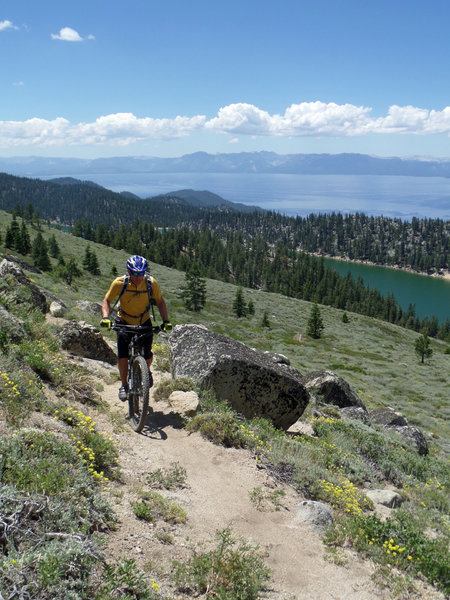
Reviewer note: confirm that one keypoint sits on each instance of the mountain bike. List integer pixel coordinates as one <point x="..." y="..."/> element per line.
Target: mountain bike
<point x="139" y="378"/>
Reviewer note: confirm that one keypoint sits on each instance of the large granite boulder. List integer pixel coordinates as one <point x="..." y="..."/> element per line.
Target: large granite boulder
<point x="17" y="288"/>
<point x="356" y="413"/>
<point x="328" y="388"/>
<point x="412" y="437"/>
<point x="253" y="383"/>
<point x="388" y="417"/>
<point x="391" y="420"/>
<point x="85" y="340"/>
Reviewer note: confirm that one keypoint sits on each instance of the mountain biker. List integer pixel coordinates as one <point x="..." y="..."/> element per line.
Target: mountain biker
<point x="134" y="310"/>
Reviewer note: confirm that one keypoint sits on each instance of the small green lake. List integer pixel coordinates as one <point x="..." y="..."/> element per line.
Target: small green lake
<point x="431" y="295"/>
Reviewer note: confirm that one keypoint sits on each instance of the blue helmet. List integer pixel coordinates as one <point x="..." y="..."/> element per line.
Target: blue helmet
<point x="137" y="265"/>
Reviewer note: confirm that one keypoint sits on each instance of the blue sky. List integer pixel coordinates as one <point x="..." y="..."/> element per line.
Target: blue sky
<point x="169" y="77"/>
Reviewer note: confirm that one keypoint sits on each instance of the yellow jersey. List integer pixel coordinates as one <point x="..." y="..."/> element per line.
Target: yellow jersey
<point x="134" y="300"/>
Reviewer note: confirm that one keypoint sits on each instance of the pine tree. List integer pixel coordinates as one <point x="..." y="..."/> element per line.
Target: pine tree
<point x="53" y="247"/>
<point x="422" y="347"/>
<point x="94" y="268"/>
<point x="23" y="243"/>
<point x="18" y="210"/>
<point x="13" y="235"/>
<point x="265" y="320"/>
<point x="239" y="307"/>
<point x="28" y="213"/>
<point x="315" y="324"/>
<point x="193" y="293"/>
<point x="9" y="238"/>
<point x="39" y="252"/>
<point x="87" y="258"/>
<point x="345" y="318"/>
<point x="250" y="308"/>
<point x="36" y="220"/>
<point x="72" y="270"/>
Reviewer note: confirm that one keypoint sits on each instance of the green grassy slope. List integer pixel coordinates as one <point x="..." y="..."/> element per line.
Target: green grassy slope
<point x="376" y="358"/>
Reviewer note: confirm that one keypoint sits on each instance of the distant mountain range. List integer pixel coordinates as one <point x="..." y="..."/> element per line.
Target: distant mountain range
<point x="243" y="162"/>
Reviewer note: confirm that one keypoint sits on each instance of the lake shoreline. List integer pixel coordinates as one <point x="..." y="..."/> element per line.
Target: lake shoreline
<point x="445" y="274"/>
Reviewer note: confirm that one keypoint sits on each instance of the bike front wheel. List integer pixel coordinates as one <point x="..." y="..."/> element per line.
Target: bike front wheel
<point x="138" y="394"/>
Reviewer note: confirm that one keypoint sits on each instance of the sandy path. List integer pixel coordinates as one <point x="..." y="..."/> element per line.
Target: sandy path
<point x="219" y="481"/>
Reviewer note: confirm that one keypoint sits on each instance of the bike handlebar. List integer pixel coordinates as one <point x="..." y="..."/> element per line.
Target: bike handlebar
<point x="136" y="328"/>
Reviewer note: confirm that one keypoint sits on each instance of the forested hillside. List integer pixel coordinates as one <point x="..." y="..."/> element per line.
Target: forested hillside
<point x="422" y="244"/>
<point x="65" y="204"/>
<point x="253" y="262"/>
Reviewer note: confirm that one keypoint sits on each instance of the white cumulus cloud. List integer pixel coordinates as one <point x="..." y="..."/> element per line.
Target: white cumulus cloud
<point x="409" y="119"/>
<point x="306" y="119"/>
<point x="67" y="34"/>
<point x="7" y="25"/>
<point x="321" y="119"/>
<point x="119" y="129"/>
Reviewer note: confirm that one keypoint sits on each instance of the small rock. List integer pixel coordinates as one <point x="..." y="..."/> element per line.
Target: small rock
<point x="385" y="497"/>
<point x="315" y="514"/>
<point x="301" y="428"/>
<point x="184" y="403"/>
<point x="56" y="309"/>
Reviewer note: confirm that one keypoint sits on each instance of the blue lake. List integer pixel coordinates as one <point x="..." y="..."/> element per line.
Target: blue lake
<point x="430" y="295"/>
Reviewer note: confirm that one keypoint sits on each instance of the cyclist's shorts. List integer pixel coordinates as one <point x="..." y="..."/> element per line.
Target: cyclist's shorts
<point x="123" y="339"/>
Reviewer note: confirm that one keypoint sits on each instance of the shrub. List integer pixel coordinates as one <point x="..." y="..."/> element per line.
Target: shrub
<point x="96" y="450"/>
<point x="162" y="359"/>
<point x="154" y="506"/>
<point x="37" y="462"/>
<point x="219" y="428"/>
<point x="172" y="477"/>
<point x="266" y="499"/>
<point x="397" y="541"/>
<point x="36" y="355"/>
<point x="125" y="581"/>
<point x="4" y="341"/>
<point x="165" y="388"/>
<point x="58" y="569"/>
<point x="233" y="570"/>
<point x="20" y="391"/>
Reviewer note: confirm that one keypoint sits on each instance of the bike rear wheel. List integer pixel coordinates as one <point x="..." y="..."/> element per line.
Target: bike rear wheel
<point x="138" y="394"/>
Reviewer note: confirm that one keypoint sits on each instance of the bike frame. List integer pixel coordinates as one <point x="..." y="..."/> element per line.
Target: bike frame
<point x="138" y="392"/>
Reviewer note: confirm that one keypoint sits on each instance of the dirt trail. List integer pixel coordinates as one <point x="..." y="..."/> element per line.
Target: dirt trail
<point x="219" y="481"/>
